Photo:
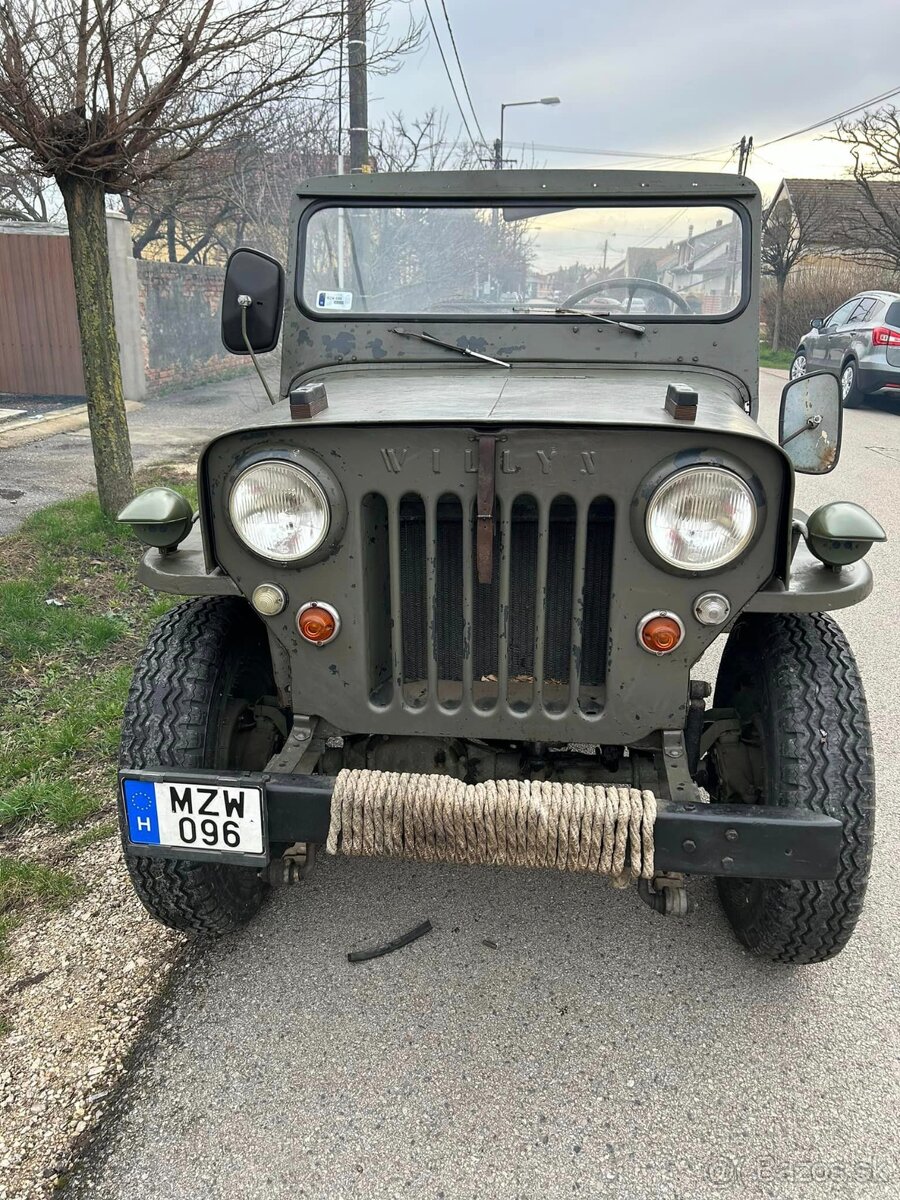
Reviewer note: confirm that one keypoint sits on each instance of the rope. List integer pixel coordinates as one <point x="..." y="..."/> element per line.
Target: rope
<point x="508" y="822"/>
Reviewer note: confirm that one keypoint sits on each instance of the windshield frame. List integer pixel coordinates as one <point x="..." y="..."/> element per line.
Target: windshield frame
<point x="527" y="202"/>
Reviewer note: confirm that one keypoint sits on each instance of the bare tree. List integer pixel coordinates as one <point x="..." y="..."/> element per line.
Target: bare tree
<point x="105" y="96"/>
<point x="24" y="194"/>
<point x="421" y="144"/>
<point x="789" y="236"/>
<point x="869" y="231"/>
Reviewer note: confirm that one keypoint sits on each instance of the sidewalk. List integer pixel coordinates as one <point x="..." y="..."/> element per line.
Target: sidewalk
<point x="52" y="468"/>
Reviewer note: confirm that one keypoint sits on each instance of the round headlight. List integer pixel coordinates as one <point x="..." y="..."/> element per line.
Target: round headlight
<point x="701" y="518"/>
<point x="280" y="511"/>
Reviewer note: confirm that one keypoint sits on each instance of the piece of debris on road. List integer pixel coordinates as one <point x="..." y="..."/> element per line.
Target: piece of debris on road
<point x="389" y="947"/>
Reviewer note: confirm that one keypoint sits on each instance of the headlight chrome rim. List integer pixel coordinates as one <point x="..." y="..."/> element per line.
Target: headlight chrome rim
<point x="682" y="475"/>
<point x="310" y="481"/>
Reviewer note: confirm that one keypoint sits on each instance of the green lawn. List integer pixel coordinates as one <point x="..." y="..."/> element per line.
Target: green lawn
<point x="781" y="359"/>
<point x="72" y="621"/>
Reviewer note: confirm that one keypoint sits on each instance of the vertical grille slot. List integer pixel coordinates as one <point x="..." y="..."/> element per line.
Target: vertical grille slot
<point x="447" y="604"/>
<point x="377" y="590"/>
<point x="598" y="561"/>
<point x="485" y="639"/>
<point x="414" y="639"/>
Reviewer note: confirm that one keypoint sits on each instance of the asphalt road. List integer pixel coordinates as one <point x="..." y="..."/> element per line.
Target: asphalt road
<point x="598" y="1050"/>
<point x="164" y="428"/>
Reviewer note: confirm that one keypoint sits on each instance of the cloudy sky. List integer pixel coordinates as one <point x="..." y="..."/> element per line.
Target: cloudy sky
<point x="656" y="76"/>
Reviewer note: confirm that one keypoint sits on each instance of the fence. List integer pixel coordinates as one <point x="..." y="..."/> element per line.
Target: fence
<point x="40" y="352"/>
<point x="167" y="316"/>
<point x="180" y="308"/>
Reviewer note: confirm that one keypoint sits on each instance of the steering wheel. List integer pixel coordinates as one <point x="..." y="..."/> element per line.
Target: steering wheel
<point x="632" y="285"/>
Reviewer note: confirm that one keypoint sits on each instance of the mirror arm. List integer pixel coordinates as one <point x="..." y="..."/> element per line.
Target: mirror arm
<point x="812" y="423"/>
<point x="245" y="301"/>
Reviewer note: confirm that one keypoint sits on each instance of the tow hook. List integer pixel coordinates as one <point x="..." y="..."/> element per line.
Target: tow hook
<point x="665" y="894"/>
<point x="296" y="863"/>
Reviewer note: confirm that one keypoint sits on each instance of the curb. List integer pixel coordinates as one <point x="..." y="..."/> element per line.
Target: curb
<point x="34" y="429"/>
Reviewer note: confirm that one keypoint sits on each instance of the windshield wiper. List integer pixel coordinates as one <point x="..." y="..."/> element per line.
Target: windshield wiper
<point x="427" y="337"/>
<point x="603" y="318"/>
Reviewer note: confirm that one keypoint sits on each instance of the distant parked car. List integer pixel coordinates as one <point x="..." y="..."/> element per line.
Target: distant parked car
<point x="860" y="343"/>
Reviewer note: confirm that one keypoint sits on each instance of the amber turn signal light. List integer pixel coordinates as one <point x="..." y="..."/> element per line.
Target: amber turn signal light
<point x="318" y="623"/>
<point x="660" y="632"/>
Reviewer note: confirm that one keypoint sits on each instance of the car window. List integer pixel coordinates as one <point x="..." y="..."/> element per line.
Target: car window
<point x="892" y="316"/>
<point x="862" y="310"/>
<point x="840" y="315"/>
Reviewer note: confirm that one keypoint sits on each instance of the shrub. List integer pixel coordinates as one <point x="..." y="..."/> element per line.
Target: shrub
<point x="814" y="289"/>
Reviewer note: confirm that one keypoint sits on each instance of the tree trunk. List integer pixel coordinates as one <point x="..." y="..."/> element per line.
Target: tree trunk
<point x="86" y="211"/>
<point x="776" y="320"/>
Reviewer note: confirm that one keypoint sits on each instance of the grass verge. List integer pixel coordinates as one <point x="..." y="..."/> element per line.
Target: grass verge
<point x="780" y="359"/>
<point x="72" y="620"/>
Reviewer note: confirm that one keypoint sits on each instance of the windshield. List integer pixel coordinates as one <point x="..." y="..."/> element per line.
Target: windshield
<point x="417" y="260"/>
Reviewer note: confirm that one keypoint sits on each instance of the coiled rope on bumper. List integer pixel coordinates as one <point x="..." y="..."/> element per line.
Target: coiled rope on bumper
<point x="435" y="818"/>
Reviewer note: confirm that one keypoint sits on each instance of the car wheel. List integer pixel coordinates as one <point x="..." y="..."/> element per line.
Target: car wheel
<point x="851" y="396"/>
<point x="799" y="365"/>
<point x="193" y="703"/>
<point x="794" y="682"/>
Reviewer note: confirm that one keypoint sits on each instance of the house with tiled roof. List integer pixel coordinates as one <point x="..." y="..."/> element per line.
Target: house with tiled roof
<point x="843" y="217"/>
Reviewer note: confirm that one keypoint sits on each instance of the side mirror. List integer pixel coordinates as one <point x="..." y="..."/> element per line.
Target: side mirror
<point x="252" y="302"/>
<point x="817" y="323"/>
<point x="809" y="425"/>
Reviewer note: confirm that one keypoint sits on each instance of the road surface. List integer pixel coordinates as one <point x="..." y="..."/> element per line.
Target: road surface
<point x="551" y="1037"/>
<point x="164" y="428"/>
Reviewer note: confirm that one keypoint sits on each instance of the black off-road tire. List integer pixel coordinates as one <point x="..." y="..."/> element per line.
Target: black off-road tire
<point x="795" y="684"/>
<point x="195" y="657"/>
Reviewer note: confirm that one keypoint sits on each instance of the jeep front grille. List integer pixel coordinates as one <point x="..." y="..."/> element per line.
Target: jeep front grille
<point x="532" y="639"/>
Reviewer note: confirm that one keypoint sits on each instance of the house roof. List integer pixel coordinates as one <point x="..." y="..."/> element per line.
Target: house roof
<point x="834" y="203"/>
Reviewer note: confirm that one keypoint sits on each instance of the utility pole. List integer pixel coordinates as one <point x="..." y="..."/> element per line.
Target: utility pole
<point x="745" y="149"/>
<point x="358" y="97"/>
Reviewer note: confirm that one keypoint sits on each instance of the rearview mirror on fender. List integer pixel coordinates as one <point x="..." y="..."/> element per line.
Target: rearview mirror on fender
<point x="809" y="425"/>
<point x="252" y="302"/>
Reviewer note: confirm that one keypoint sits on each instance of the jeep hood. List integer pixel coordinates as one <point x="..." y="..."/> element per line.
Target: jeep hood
<point x="476" y="395"/>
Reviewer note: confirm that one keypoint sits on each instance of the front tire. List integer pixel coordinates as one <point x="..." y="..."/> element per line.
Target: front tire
<point x="851" y="396"/>
<point x="795" y="685"/>
<point x="799" y="365"/>
<point x="191" y="704"/>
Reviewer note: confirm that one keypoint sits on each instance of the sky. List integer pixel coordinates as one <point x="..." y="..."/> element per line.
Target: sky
<point x="654" y="76"/>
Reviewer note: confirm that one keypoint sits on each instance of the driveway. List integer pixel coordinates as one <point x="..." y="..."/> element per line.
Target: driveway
<point x="551" y="1037"/>
<point x="163" y="428"/>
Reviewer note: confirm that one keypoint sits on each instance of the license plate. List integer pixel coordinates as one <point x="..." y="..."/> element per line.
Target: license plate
<point x="214" y="817"/>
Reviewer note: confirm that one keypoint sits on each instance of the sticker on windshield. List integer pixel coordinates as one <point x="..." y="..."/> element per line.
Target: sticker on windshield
<point x="342" y="301"/>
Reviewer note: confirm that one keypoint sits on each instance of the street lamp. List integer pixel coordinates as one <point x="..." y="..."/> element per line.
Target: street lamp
<point x="498" y="145"/>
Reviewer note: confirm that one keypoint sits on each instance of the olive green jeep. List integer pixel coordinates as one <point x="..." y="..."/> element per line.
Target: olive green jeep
<point x="447" y="605"/>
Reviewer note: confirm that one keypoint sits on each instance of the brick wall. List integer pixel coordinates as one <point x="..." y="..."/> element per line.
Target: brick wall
<point x="180" y="307"/>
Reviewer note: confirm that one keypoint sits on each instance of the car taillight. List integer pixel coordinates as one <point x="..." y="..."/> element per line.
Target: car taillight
<point x="882" y="336"/>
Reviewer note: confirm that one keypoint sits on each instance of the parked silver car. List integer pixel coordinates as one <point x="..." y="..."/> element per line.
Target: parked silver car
<point x="860" y="343"/>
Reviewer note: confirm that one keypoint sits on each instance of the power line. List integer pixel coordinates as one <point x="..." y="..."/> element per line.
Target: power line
<point x="462" y="73"/>
<point x="711" y="155"/>
<point x="449" y="76"/>
<point x="835" y="117"/>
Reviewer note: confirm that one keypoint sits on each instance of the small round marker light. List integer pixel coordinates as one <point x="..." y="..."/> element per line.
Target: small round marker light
<point x="712" y="608"/>
<point x="268" y="599"/>
<point x="660" y="632"/>
<point x="318" y="622"/>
